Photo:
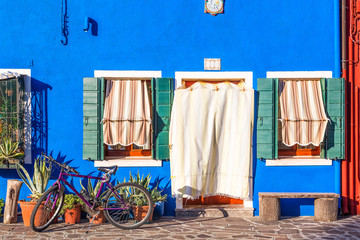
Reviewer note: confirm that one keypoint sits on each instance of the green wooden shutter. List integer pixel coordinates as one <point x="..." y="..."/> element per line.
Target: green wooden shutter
<point x="267" y="134"/>
<point x="162" y="95"/>
<point x="93" y="105"/>
<point x="335" y="108"/>
<point x="323" y="91"/>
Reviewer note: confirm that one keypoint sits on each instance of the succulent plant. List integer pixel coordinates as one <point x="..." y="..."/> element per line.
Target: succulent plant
<point x="9" y="150"/>
<point x="156" y="194"/>
<point x="93" y="191"/>
<point x="70" y="202"/>
<point x="38" y="183"/>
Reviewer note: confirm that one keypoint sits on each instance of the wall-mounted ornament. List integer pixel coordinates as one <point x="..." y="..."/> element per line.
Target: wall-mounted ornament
<point x="64" y="23"/>
<point x="214" y="6"/>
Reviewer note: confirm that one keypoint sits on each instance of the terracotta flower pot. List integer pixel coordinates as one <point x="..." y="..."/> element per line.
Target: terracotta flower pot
<point x="100" y="218"/>
<point x="26" y="210"/>
<point x="73" y="216"/>
<point x="140" y="213"/>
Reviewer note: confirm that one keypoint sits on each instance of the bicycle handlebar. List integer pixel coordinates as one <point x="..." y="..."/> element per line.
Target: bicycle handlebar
<point x="62" y="165"/>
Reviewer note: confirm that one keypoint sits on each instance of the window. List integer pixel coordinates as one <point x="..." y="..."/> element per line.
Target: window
<point x="127" y="118"/>
<point x="161" y="94"/>
<point x="12" y="110"/>
<point x="15" y="108"/>
<point x="268" y="127"/>
<point x="301" y="117"/>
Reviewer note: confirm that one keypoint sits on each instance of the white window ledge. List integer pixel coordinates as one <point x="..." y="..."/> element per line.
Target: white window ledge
<point x="299" y="161"/>
<point x="129" y="162"/>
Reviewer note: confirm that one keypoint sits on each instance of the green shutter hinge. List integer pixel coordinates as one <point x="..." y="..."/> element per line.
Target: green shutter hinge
<point x="86" y="120"/>
<point x="260" y="121"/>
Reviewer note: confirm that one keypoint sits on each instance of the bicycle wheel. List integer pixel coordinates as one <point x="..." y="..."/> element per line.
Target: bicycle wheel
<point x="47" y="208"/>
<point x="129" y="206"/>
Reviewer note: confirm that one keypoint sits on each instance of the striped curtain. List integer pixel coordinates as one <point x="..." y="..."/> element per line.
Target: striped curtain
<point x="127" y="118"/>
<point x="302" y="114"/>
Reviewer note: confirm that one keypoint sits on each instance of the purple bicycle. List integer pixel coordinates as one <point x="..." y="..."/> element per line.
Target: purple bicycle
<point x="126" y="205"/>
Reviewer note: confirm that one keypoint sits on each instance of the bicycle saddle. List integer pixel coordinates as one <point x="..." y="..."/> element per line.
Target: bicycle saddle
<point x="109" y="170"/>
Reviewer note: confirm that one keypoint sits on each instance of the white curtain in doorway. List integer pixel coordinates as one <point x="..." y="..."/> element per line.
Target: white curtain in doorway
<point x="211" y="140"/>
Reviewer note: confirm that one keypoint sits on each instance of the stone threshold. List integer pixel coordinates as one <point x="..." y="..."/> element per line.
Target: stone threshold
<point x="215" y="211"/>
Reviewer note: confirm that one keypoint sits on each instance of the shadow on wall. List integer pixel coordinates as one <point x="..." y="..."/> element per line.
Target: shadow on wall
<point x="170" y="202"/>
<point x="39" y="117"/>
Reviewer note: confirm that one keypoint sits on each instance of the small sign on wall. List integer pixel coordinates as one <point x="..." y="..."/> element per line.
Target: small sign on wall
<point x="212" y="64"/>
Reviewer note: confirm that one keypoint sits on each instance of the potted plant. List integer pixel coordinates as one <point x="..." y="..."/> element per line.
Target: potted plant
<point x="71" y="209"/>
<point x="37" y="185"/>
<point x="156" y="195"/>
<point x="91" y="192"/>
<point x="10" y="152"/>
<point x="2" y="204"/>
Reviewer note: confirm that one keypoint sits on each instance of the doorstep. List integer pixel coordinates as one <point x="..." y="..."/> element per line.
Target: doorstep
<point x="236" y="210"/>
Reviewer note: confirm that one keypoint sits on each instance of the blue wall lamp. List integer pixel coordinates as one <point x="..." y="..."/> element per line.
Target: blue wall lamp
<point x="94" y="26"/>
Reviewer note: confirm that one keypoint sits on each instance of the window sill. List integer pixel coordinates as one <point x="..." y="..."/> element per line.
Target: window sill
<point x="129" y="162"/>
<point x="299" y="161"/>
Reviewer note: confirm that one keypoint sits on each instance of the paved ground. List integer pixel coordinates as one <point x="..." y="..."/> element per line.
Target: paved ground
<point x="198" y="228"/>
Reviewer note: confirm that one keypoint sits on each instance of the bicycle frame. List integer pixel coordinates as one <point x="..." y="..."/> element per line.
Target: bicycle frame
<point x="103" y="179"/>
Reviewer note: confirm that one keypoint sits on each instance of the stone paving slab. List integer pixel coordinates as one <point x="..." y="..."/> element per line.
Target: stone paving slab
<point x="197" y="228"/>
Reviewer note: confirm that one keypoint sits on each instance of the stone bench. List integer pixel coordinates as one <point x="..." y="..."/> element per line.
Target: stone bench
<point x="325" y="205"/>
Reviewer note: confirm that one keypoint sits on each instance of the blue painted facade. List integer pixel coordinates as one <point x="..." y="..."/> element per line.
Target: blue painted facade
<point x="169" y="36"/>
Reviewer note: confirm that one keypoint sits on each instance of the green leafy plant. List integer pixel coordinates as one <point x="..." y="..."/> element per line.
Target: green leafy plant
<point x="70" y="202"/>
<point x="2" y="204"/>
<point x="156" y="194"/>
<point x="38" y="183"/>
<point x="93" y="191"/>
<point x="9" y="150"/>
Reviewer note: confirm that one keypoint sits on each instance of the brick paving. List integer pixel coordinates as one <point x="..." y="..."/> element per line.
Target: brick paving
<point x="197" y="228"/>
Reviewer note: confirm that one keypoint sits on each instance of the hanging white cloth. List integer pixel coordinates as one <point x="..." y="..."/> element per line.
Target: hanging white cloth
<point x="211" y="140"/>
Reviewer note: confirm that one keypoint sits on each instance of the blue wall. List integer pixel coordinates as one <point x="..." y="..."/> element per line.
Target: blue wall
<point x="170" y="36"/>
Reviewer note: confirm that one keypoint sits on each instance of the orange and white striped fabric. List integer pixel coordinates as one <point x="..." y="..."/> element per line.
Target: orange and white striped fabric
<point x="127" y="116"/>
<point x="302" y="113"/>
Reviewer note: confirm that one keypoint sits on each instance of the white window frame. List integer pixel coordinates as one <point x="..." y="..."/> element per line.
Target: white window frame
<point x="248" y="76"/>
<point x="128" y="161"/>
<point x="27" y="115"/>
<point x="299" y="161"/>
